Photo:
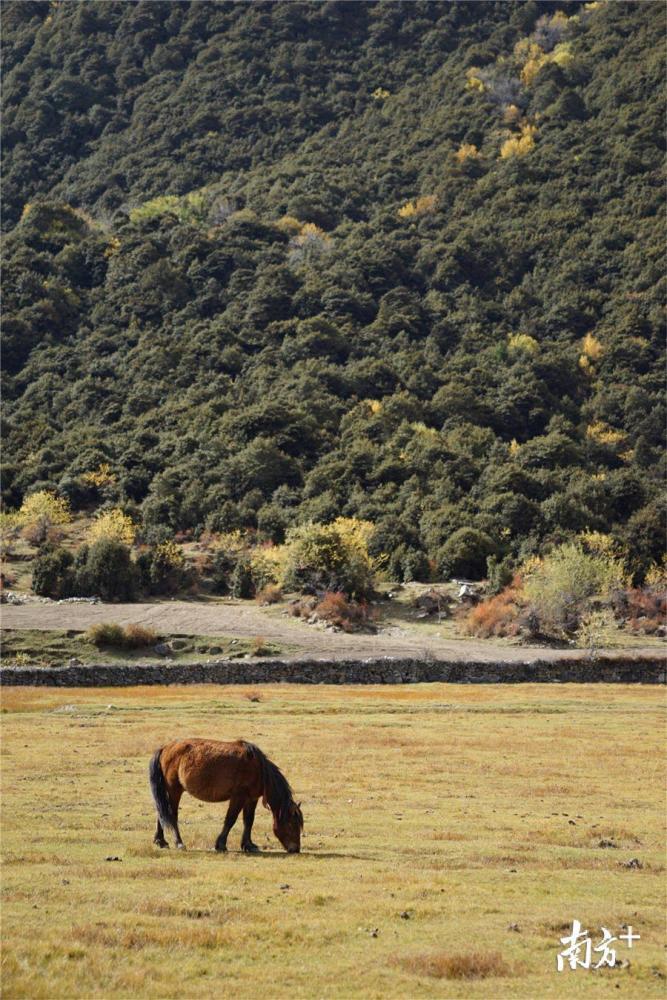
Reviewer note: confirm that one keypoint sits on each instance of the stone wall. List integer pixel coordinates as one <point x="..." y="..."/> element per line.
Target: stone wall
<point x="606" y="669"/>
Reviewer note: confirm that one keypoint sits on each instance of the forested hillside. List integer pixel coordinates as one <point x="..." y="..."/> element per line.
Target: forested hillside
<point x="274" y="263"/>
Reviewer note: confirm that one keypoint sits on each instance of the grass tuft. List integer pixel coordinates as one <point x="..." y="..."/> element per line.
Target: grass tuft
<point x="469" y="965"/>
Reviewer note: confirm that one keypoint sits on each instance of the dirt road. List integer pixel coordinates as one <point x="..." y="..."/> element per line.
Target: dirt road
<point x="244" y="620"/>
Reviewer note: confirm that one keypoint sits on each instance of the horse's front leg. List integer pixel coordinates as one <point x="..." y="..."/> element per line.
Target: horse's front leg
<point x="248" y="819"/>
<point x="231" y="817"/>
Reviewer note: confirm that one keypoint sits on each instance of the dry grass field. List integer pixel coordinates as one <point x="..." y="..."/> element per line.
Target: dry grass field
<point x="452" y="835"/>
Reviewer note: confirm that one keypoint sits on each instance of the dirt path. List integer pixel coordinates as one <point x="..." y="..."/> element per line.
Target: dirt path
<point x="243" y="620"/>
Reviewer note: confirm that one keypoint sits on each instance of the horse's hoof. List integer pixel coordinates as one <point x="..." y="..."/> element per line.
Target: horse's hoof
<point x="250" y="848"/>
<point x="221" y="848"/>
<point x="161" y="843"/>
<point x="181" y="847"/>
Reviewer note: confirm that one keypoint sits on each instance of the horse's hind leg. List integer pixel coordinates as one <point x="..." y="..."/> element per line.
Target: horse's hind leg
<point x="231" y="817"/>
<point x="175" y="793"/>
<point x="248" y="819"/>
<point x="159" y="838"/>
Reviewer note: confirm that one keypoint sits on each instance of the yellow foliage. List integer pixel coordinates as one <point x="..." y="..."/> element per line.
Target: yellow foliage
<point x="599" y="476"/>
<point x="289" y="224"/>
<point x="473" y="82"/>
<point x="599" y="544"/>
<point x="47" y="506"/>
<point x="355" y="532"/>
<point x="519" y="145"/>
<point x="268" y="562"/>
<point x="375" y="406"/>
<point x="602" y="433"/>
<point x="380" y="94"/>
<point x="170" y="554"/>
<point x="308" y="231"/>
<point x="592" y="347"/>
<point x="522" y="343"/>
<point x="101" y="476"/>
<point x="536" y="59"/>
<point x="113" y="247"/>
<point x="420" y="206"/>
<point x="627" y="456"/>
<point x="562" y="55"/>
<point x="112" y="525"/>
<point x="468" y="151"/>
<point x="511" y="114"/>
<point x="514" y="447"/>
<point x="407" y="210"/>
<point x="27" y="209"/>
<point x="419" y="427"/>
<point x="657" y="574"/>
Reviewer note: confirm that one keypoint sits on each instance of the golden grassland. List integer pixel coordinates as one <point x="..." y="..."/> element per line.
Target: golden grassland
<point x="452" y="835"/>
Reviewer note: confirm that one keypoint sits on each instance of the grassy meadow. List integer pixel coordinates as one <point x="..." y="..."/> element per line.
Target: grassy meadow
<point x="452" y="835"/>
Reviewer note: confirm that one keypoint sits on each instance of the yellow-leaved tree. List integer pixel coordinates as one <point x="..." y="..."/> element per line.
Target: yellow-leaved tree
<point x="519" y="145"/>
<point x="112" y="525"/>
<point x="40" y="512"/>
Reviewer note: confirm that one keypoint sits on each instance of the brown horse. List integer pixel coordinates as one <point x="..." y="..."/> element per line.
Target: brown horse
<point x="217" y="772"/>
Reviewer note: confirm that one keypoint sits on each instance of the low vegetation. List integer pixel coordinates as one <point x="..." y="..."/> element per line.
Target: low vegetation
<point x="448" y="844"/>
<point x="111" y="643"/>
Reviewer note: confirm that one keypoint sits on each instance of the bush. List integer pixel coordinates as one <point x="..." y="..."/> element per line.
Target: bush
<point x="644" y="608"/>
<point x="52" y="574"/>
<point x="131" y="637"/>
<point x="270" y="594"/>
<point x="106" y="634"/>
<point x="241" y="583"/>
<point x="108" y="572"/>
<point x="330" y="557"/>
<point x="465" y="553"/>
<point x="497" y="616"/>
<point x="138" y="636"/>
<point x="163" y="570"/>
<point x="560" y="589"/>
<point x="336" y="609"/>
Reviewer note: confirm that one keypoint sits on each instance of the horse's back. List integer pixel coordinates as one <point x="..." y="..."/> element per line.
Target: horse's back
<point x="212" y="770"/>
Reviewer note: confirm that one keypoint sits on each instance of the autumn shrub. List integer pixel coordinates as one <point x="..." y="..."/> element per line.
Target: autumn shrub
<point x="643" y="608"/>
<point x="560" y="588"/>
<point x="40" y="512"/>
<point x="114" y="525"/>
<point x="330" y="557"/>
<point x="138" y="636"/>
<point x="259" y="647"/>
<point x="133" y="636"/>
<point x="270" y="594"/>
<point x="498" y="615"/>
<point x="339" y="610"/>
<point x="106" y="634"/>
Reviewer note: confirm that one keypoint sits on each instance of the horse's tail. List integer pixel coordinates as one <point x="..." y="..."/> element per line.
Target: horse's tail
<point x="160" y="793"/>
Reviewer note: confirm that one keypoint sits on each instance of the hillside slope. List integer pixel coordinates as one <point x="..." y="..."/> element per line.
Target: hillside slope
<point x="275" y="262"/>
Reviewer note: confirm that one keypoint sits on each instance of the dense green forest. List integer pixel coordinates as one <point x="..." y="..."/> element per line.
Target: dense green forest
<point x="267" y="264"/>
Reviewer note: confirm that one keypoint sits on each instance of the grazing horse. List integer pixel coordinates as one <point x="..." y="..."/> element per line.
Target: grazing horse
<point x="217" y="772"/>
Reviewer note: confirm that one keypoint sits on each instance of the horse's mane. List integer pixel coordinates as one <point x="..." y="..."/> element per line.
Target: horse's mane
<point x="276" y="791"/>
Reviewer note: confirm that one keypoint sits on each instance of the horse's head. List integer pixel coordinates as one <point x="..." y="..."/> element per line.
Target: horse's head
<point x="287" y="826"/>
